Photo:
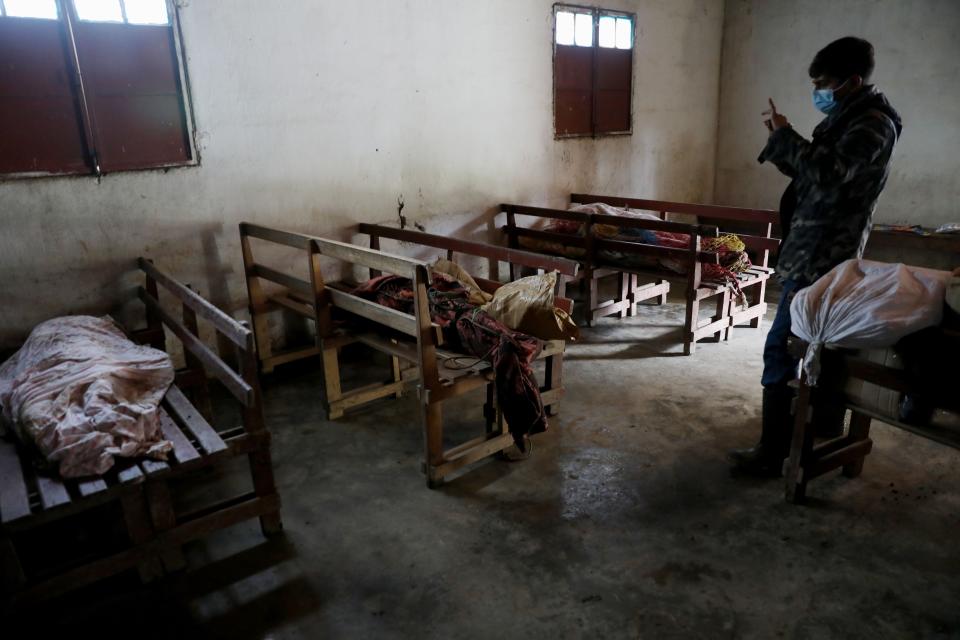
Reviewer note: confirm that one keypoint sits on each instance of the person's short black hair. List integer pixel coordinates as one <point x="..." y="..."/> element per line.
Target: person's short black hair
<point x="844" y="58"/>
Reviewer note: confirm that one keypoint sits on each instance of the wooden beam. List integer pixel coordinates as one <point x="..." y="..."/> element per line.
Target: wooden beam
<point x="626" y="222"/>
<point x="544" y="212"/>
<point x="515" y="256"/>
<point x="551" y="236"/>
<point x="233" y="330"/>
<point x="230" y="379"/>
<point x="699" y="210"/>
<point x="638" y="248"/>
<point x="14" y="503"/>
<point x="290" y="282"/>
<point x="397" y="320"/>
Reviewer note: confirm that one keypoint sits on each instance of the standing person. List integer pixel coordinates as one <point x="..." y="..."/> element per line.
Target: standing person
<point x="825" y="212"/>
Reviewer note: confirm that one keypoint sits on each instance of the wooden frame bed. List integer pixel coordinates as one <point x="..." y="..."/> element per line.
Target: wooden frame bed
<point x="839" y="367"/>
<point x="406" y="338"/>
<point x="142" y="490"/>
<point x="552" y="389"/>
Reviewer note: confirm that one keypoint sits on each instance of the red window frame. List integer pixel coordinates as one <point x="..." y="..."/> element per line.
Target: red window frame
<point x="82" y="97"/>
<point x="592" y="86"/>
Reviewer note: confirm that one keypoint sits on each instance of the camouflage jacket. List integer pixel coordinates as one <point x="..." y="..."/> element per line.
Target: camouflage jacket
<point x="837" y="177"/>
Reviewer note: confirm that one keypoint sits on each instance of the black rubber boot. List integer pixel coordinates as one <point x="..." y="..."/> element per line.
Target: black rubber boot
<point x="766" y="458"/>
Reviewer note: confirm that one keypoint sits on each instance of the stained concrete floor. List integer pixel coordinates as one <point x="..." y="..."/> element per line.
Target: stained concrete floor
<point x="625" y="523"/>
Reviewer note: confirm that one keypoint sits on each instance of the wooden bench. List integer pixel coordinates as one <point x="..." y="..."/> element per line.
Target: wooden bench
<point x="406" y="338"/>
<point x="143" y="490"/>
<point x="639" y="284"/>
<point x="595" y="266"/>
<point x="753" y="226"/>
<point x="552" y="389"/>
<point x="839" y="367"/>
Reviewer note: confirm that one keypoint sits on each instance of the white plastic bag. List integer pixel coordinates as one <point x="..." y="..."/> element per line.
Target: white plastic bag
<point x="862" y="304"/>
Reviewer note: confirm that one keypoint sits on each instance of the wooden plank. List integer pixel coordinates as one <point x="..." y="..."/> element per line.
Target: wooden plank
<point x="153" y="467"/>
<point x="638" y="248"/>
<point x="290" y="356"/>
<point x="82" y="575"/>
<point x="182" y="449"/>
<point x="233" y="330"/>
<point x="357" y="397"/>
<point x="495" y="252"/>
<point x="288" y="238"/>
<point x="220" y="518"/>
<point x="296" y="306"/>
<point x="404" y="350"/>
<point x="550" y="236"/>
<point x="759" y="243"/>
<point x="188" y="416"/>
<point x="91" y="486"/>
<point x="370" y="258"/>
<point x="242" y="391"/>
<point x="552" y="396"/>
<point x="544" y="212"/>
<point x="397" y="320"/>
<point x="14" y="503"/>
<point x="293" y="283"/>
<point x="469" y="456"/>
<point x="552" y="348"/>
<point x="52" y="491"/>
<point x="898" y="239"/>
<point x="130" y="474"/>
<point x="626" y="222"/>
<point x="837" y="459"/>
<point x="699" y="210"/>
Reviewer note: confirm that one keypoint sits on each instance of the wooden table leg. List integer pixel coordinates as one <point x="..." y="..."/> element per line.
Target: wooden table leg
<point x="11" y="572"/>
<point x="800" y="448"/>
<point x="859" y="430"/>
<point x="140" y="531"/>
<point x="163" y="517"/>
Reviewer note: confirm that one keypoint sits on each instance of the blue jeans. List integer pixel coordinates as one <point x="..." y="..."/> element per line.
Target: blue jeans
<point x="779" y="367"/>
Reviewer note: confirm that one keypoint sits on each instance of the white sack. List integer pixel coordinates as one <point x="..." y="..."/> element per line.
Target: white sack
<point x="862" y="305"/>
<point x="82" y="393"/>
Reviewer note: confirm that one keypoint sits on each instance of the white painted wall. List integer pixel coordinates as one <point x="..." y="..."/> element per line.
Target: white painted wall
<point x="768" y="45"/>
<point x="316" y="115"/>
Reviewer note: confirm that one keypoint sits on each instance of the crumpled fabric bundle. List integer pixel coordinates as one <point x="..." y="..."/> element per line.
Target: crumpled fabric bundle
<point x="468" y="329"/>
<point x="862" y="304"/>
<point x="81" y="393"/>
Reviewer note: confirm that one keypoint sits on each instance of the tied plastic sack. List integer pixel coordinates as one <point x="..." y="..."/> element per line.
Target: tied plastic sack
<point x="80" y="392"/>
<point x="526" y="305"/>
<point x="863" y="305"/>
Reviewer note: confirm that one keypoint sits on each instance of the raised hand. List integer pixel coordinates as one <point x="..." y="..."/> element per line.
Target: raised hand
<point x="773" y="119"/>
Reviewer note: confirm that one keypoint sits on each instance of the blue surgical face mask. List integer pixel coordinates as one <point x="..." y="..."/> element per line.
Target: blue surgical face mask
<point x="824" y="100"/>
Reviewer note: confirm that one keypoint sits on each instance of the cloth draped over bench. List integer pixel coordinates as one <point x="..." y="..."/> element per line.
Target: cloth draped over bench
<point x="470" y="330"/>
<point x="80" y="393"/>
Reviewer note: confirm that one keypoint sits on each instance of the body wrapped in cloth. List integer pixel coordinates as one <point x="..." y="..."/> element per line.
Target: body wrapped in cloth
<point x="469" y="329"/>
<point x="80" y="393"/>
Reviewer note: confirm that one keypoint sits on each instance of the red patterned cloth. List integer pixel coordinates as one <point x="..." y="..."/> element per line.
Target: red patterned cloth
<point x="468" y="329"/>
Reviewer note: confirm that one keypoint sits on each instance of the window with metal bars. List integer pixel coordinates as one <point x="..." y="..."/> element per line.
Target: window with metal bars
<point x="592" y="71"/>
<point x="91" y="86"/>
